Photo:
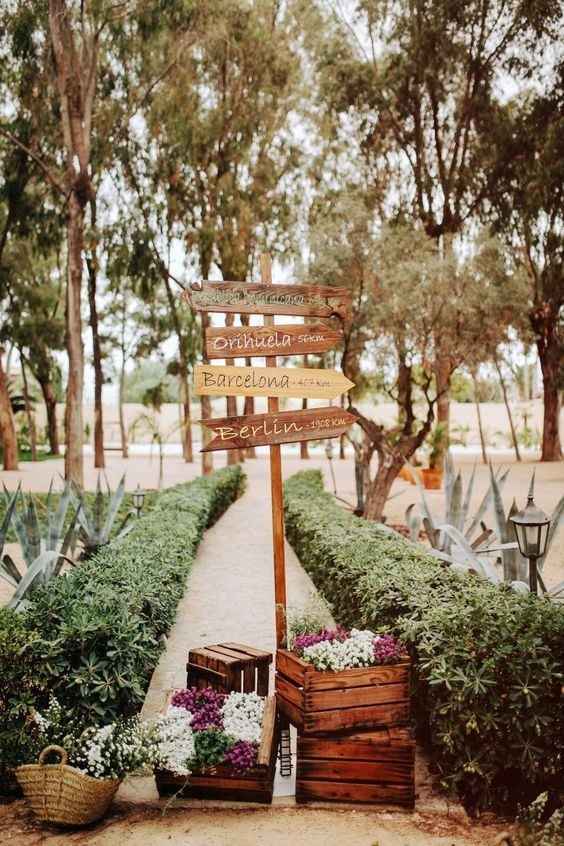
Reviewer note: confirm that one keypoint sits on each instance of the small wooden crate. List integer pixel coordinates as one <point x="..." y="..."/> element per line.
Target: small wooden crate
<point x="220" y="782"/>
<point x="228" y="667"/>
<point x="317" y="702"/>
<point x="375" y="767"/>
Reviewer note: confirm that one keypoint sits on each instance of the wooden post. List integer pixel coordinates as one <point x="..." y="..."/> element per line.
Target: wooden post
<point x="276" y="491"/>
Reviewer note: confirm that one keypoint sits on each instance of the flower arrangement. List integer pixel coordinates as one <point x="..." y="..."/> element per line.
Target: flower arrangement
<point x="337" y="649"/>
<point x="204" y="728"/>
<point x="103" y="752"/>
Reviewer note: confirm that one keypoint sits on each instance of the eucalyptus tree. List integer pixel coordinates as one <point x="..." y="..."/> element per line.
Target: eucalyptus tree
<point x="527" y="207"/>
<point x="222" y="151"/>
<point x="415" y="86"/>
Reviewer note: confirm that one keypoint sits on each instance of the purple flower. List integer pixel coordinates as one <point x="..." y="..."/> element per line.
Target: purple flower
<point x="204" y="705"/>
<point x="387" y="649"/>
<point x="242" y="756"/>
<point x="304" y="640"/>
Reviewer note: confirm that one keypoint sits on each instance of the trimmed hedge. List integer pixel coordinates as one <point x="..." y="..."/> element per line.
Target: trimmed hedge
<point x="489" y="663"/>
<point x="93" y="638"/>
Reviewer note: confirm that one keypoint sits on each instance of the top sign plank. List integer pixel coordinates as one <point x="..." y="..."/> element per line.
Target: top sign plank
<point x="243" y="298"/>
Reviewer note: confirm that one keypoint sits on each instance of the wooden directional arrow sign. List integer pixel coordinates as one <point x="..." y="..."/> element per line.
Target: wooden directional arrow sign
<point x="243" y="298"/>
<point x="285" y="427"/>
<point x="253" y="341"/>
<point x="269" y="382"/>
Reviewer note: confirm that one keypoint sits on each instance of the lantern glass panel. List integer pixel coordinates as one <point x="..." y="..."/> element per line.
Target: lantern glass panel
<point x="532" y="540"/>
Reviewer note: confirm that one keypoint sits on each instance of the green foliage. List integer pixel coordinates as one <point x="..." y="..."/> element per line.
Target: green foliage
<point x="94" y="637"/>
<point x="489" y="662"/>
<point x="145" y="378"/>
<point x="210" y="748"/>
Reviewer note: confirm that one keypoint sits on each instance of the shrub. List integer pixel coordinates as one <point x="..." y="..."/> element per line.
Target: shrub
<point x="489" y="662"/>
<point x="94" y="637"/>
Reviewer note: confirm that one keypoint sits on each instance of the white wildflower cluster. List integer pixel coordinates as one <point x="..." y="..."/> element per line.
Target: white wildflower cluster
<point x="115" y="750"/>
<point x="242" y="716"/>
<point x="175" y="740"/>
<point x="356" y="651"/>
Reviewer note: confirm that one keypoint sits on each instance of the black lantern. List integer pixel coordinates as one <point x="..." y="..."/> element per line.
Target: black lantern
<point x="531" y="527"/>
<point x="138" y="500"/>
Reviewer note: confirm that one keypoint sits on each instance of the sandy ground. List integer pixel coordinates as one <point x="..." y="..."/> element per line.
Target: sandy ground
<point x="128" y="826"/>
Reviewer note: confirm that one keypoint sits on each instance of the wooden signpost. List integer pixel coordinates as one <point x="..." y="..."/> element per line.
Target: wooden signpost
<point x="252" y="341"/>
<point x="268" y="341"/>
<point x="286" y="427"/>
<point x="245" y="298"/>
<point x="277" y="382"/>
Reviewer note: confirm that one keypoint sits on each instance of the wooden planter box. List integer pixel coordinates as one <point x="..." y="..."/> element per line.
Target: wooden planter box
<point x="221" y="782"/>
<point x="229" y="666"/>
<point x="317" y="702"/>
<point x="376" y="767"/>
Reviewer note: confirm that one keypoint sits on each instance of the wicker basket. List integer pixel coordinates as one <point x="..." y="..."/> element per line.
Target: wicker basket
<point x="62" y="794"/>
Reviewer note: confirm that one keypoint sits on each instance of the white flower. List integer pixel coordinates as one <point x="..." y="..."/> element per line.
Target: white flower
<point x="242" y="716"/>
<point x="175" y="741"/>
<point x="356" y="651"/>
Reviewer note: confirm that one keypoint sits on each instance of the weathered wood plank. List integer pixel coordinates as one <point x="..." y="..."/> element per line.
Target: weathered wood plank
<point x="286" y="427"/>
<point x="355" y="770"/>
<point x="259" y="341"/>
<point x="268" y="730"/>
<point x="289" y="691"/>
<point x="342" y="719"/>
<point x="323" y="791"/>
<point x="261" y="298"/>
<point x="212" y="380"/>
<point x="386" y="674"/>
<point x="341" y="747"/>
<point x="293" y="667"/>
<point x="326" y="700"/>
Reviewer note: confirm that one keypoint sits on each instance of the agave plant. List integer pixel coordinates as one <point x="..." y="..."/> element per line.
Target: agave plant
<point x="96" y="524"/>
<point x="461" y="541"/>
<point x="44" y="549"/>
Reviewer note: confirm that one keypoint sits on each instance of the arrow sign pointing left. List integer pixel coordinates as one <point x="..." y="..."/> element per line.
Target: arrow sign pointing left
<point x="269" y="382"/>
<point x="285" y="427"/>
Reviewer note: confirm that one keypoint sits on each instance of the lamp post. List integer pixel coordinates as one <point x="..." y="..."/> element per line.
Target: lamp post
<point x="531" y="527"/>
<point x="138" y="500"/>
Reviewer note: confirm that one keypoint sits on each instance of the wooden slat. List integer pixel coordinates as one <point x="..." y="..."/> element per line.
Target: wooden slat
<point x="257" y="654"/>
<point x="273" y="382"/>
<point x="343" y="748"/>
<point x="326" y="700"/>
<point x="265" y="298"/>
<point x="285" y="427"/>
<point x="233" y="655"/>
<point x="292" y="713"/>
<point x="207" y="672"/>
<point x="290" y="691"/>
<point x="387" y="674"/>
<point x="335" y="791"/>
<point x="259" y="341"/>
<point x="369" y="716"/>
<point x="267" y="734"/>
<point x="363" y="771"/>
<point x="293" y="667"/>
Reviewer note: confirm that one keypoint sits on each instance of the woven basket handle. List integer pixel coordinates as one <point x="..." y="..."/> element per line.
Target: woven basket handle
<point x="59" y="751"/>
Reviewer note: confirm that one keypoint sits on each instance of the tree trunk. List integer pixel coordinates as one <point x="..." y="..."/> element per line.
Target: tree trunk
<point x="50" y="401"/>
<point x="479" y="415"/>
<point x="187" y="445"/>
<point x="122" y="426"/>
<point x="304" y="451"/>
<point x="92" y="266"/>
<point x="233" y="455"/>
<point x="74" y="430"/>
<point x="550" y="366"/>
<point x="342" y="439"/>
<point x="379" y="489"/>
<point x="442" y="377"/>
<point x="7" y="426"/>
<point x="206" y="406"/>
<point x="29" y="411"/>
<point x="508" y="409"/>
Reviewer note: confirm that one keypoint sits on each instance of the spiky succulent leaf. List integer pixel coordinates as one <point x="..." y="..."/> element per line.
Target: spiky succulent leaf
<point x="113" y="508"/>
<point x="36" y="575"/>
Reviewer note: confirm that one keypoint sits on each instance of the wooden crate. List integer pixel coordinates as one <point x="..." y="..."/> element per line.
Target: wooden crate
<point x="229" y="667"/>
<point x="220" y="782"/>
<point x="376" y="767"/>
<point x="318" y="702"/>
